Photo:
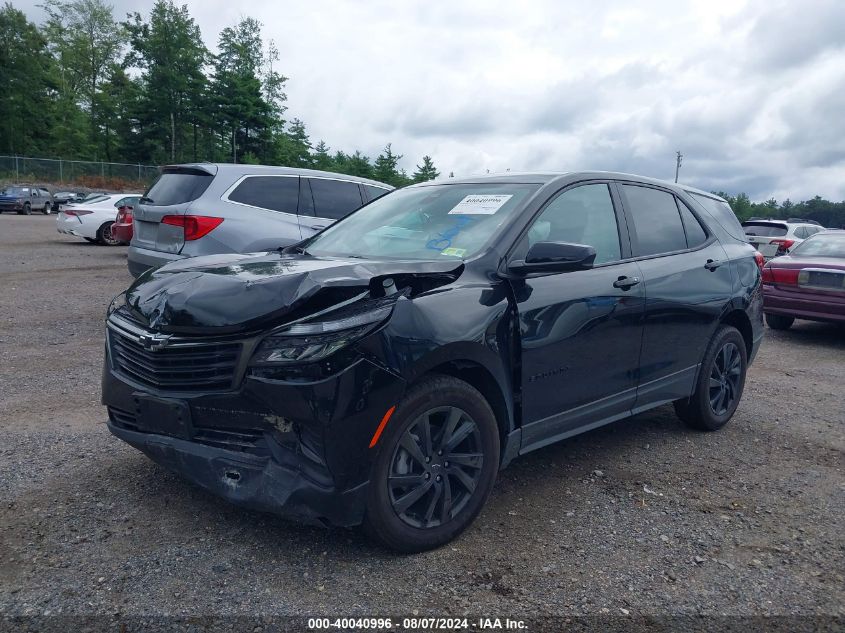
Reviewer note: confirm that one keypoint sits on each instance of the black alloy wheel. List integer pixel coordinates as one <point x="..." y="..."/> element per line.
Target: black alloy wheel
<point x="436" y="467"/>
<point x="725" y="377"/>
<point x="720" y="382"/>
<point x="433" y="467"/>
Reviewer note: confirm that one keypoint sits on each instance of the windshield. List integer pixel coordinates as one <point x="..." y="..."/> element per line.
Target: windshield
<point x="822" y="245"/>
<point x="430" y="222"/>
<point x="16" y="191"/>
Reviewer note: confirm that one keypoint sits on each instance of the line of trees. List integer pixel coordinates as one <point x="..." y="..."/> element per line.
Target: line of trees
<point x="147" y="90"/>
<point x="825" y="212"/>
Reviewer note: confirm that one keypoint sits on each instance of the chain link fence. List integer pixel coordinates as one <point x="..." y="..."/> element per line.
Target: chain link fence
<point x="80" y="172"/>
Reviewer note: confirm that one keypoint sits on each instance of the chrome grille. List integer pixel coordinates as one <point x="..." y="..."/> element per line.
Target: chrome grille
<point x="184" y="364"/>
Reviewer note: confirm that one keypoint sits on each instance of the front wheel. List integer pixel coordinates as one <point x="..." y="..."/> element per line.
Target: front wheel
<point x="779" y="322"/>
<point x="27" y="209"/>
<point x="720" y="383"/>
<point x="436" y="464"/>
<point x="104" y="235"/>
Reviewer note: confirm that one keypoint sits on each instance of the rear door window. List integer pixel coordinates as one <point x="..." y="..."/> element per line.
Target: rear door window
<point x="695" y="234"/>
<point x="765" y="229"/>
<point x="334" y="199"/>
<point x="657" y="223"/>
<point x="177" y="187"/>
<point x="275" y="193"/>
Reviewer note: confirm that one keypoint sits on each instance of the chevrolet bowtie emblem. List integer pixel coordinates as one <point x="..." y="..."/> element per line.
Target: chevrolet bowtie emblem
<point x="154" y="342"/>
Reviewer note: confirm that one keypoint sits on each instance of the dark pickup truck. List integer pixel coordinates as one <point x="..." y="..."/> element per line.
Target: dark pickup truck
<point x="24" y="199"/>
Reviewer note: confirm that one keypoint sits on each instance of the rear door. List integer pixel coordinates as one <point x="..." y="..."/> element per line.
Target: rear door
<point x="171" y="194"/>
<point x="329" y="201"/>
<point x="687" y="281"/>
<point x="265" y="215"/>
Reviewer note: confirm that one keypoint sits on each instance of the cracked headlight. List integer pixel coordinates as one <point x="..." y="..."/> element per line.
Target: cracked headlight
<point x="307" y="342"/>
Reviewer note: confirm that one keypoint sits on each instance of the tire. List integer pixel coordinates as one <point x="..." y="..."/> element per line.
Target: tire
<point x="27" y="209"/>
<point x="399" y="516"/>
<point x="104" y="235"/>
<point x="699" y="410"/>
<point x="779" y="322"/>
<point x="48" y="209"/>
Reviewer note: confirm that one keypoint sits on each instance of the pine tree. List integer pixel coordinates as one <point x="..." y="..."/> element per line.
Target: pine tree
<point x="426" y="171"/>
<point x="172" y="57"/>
<point x="385" y="167"/>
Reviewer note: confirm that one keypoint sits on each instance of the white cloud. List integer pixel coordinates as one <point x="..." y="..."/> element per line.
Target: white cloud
<point x="751" y="92"/>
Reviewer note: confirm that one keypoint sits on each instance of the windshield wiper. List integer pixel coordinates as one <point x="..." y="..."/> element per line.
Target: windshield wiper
<point x="294" y="249"/>
<point x="145" y="199"/>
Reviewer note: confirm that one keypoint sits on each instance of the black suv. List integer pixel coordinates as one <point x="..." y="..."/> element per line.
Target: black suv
<point x="382" y="371"/>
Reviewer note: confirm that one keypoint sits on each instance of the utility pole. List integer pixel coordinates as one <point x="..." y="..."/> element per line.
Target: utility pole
<point x="678" y="161"/>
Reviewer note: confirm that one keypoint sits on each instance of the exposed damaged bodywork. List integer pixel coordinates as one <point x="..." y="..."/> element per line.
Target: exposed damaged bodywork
<point x="238" y="293"/>
<point x="270" y="436"/>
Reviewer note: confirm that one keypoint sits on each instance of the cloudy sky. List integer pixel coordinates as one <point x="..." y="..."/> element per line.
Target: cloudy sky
<point x="752" y="92"/>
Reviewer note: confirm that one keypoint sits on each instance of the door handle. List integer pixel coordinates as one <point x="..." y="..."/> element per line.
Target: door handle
<point x="626" y="282"/>
<point x="318" y="227"/>
<point x="712" y="264"/>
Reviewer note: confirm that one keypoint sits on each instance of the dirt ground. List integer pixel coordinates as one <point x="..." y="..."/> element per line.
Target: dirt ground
<point x="642" y="517"/>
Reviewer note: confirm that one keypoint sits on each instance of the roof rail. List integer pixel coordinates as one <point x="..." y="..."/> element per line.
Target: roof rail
<point x="802" y="221"/>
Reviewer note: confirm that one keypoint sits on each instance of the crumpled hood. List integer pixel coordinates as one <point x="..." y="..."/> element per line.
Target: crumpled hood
<point x="233" y="292"/>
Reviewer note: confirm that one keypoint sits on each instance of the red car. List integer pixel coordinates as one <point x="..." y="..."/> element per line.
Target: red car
<point x="809" y="283"/>
<point x="121" y="230"/>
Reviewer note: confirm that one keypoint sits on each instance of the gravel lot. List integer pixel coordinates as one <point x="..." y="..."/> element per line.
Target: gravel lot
<point x="639" y="518"/>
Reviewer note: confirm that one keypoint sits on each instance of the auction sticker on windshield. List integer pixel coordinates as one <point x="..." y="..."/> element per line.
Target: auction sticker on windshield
<point x="480" y="204"/>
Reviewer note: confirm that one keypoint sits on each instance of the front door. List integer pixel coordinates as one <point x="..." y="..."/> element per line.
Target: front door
<point x="580" y="331"/>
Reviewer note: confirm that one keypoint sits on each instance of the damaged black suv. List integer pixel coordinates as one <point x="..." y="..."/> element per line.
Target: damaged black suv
<point x="382" y="371"/>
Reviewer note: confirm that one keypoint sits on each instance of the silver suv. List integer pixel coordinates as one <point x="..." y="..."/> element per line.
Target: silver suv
<point x="774" y="238"/>
<point x="205" y="209"/>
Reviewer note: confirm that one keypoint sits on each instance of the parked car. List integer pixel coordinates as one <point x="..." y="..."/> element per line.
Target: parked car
<point x="23" y="199"/>
<point x="66" y="197"/>
<point x="383" y="370"/>
<point x="205" y="209"/>
<point x="809" y="283"/>
<point x="774" y="238"/>
<point x="94" y="218"/>
<point x="121" y="230"/>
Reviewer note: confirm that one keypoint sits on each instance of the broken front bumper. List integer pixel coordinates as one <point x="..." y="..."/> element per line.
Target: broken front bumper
<point x="255" y="482"/>
<point x="295" y="447"/>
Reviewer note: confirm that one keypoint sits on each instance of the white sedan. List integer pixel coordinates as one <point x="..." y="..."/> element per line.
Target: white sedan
<point x="92" y="219"/>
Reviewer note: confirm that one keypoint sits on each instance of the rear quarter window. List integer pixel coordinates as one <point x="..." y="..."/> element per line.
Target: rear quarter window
<point x="375" y="192"/>
<point x="178" y="187"/>
<point x="722" y="213"/>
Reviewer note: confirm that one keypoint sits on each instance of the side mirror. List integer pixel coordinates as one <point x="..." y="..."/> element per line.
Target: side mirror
<point x="555" y="257"/>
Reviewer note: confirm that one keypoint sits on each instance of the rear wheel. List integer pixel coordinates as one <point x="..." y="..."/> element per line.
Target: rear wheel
<point x="435" y="467"/>
<point x="720" y="383"/>
<point x="48" y="209"/>
<point x="104" y="235"/>
<point x="779" y="322"/>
